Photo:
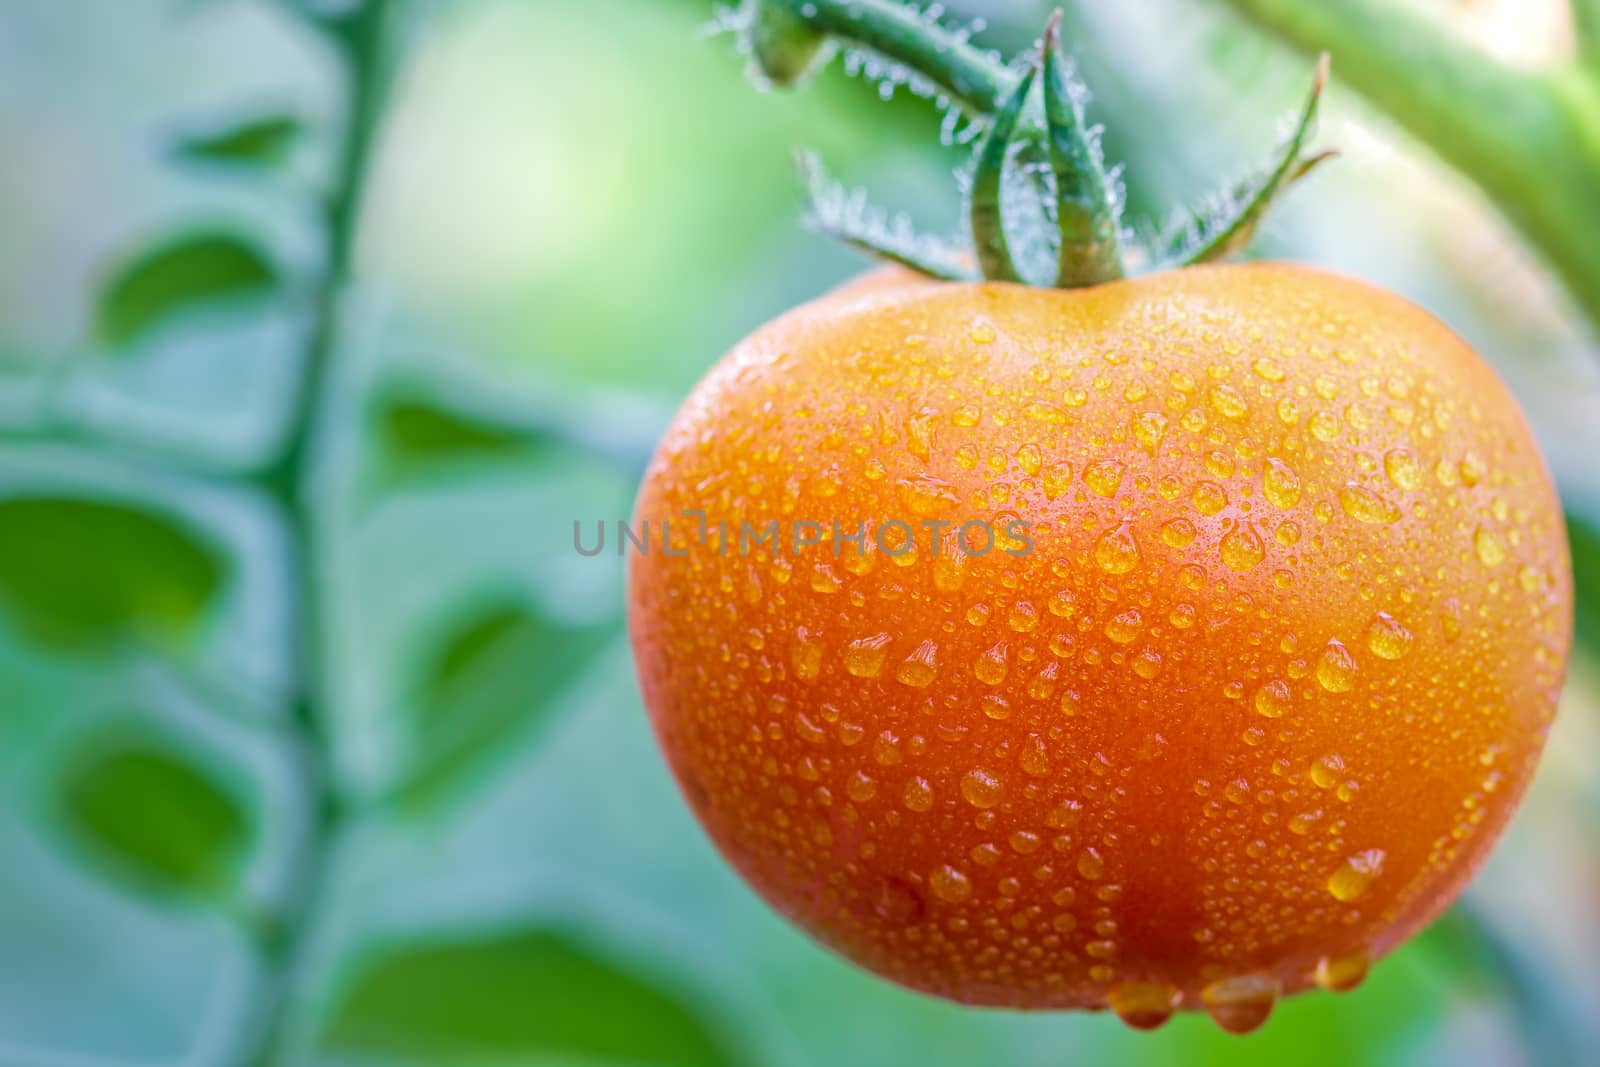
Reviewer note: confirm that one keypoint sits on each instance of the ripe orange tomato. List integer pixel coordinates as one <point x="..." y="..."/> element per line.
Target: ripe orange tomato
<point x="1242" y="702"/>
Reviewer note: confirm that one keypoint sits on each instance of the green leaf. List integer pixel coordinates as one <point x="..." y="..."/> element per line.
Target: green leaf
<point x="1088" y="200"/>
<point x="513" y="998"/>
<point x="415" y="433"/>
<point x="989" y="163"/>
<point x="845" y="215"/>
<point x="85" y="574"/>
<point x="259" y="142"/>
<point x="1230" y="226"/>
<point x="1474" y="945"/>
<point x="1586" y="29"/>
<point x="1584" y="539"/>
<point x="494" y="675"/>
<point x="1453" y="95"/>
<point x="142" y="805"/>
<point x="191" y="270"/>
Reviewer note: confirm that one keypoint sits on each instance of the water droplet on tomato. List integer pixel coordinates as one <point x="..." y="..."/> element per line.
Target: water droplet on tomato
<point x="1352" y="878"/>
<point x="1209" y="498"/>
<point x="1143" y="1005"/>
<point x="1104" y="476"/>
<point x="1179" y="533"/>
<point x="1124" y="627"/>
<point x="1063" y="604"/>
<point x="918" y="795"/>
<point x="864" y="656"/>
<point x="1341" y="974"/>
<point x="990" y="668"/>
<point x="1280" y="484"/>
<point x="1241" y="547"/>
<point x="1240" y="1005"/>
<point x="1267" y="370"/>
<point x="1326" y="771"/>
<point x="1363" y="505"/>
<point x="1091" y="864"/>
<point x="950" y="884"/>
<point x="1117" y="552"/>
<point x="1148" y="429"/>
<point x="1030" y="459"/>
<point x="1336" y="670"/>
<point x="926" y="495"/>
<point x="919" y="668"/>
<point x="1057" y="480"/>
<point x="980" y="788"/>
<point x="1272" y="699"/>
<point x="1227" y="402"/>
<point x="1220" y="464"/>
<point x="806" y="655"/>
<point x="1491" y="550"/>
<point x="1402" y="469"/>
<point x="1388" y="638"/>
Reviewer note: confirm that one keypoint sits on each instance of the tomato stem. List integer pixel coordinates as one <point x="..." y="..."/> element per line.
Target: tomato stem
<point x="1088" y="210"/>
<point x="363" y="38"/>
<point x="1050" y="148"/>
<point x="988" y="224"/>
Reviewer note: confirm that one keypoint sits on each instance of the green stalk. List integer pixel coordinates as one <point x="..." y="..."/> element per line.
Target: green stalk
<point x="1586" y="27"/>
<point x="788" y="38"/>
<point x="361" y="38"/>
<point x="1529" y="140"/>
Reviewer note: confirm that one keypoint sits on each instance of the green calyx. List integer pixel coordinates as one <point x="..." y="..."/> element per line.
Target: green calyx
<point x="1037" y="152"/>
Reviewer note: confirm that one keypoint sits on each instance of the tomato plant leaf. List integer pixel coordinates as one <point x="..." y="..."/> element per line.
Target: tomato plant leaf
<point x="845" y="215"/>
<point x="515" y="997"/>
<point x="415" y="434"/>
<point x="80" y="574"/>
<point x="495" y="674"/>
<point x="988" y="174"/>
<point x="1089" y="198"/>
<point x="145" y="807"/>
<point x="1584" y="539"/>
<point x="1473" y="946"/>
<point x="1228" y="223"/>
<point x="265" y="141"/>
<point x="191" y="270"/>
<point x="421" y="429"/>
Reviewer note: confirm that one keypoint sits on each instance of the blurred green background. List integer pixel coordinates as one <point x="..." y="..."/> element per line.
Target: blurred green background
<point x="462" y="847"/>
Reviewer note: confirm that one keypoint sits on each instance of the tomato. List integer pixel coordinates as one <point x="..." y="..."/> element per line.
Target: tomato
<point x="1257" y="662"/>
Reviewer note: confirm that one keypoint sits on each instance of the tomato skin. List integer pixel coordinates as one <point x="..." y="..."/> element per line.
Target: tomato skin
<point x="1278" y="733"/>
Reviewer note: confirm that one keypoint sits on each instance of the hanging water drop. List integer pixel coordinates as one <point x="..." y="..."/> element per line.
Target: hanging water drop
<point x="1240" y="1005"/>
<point x="1143" y="1005"/>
